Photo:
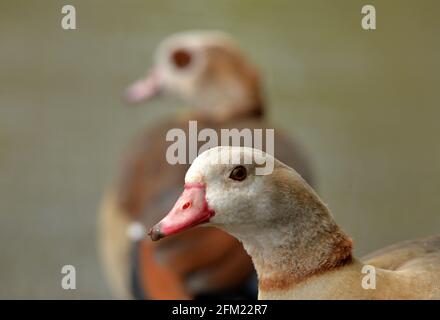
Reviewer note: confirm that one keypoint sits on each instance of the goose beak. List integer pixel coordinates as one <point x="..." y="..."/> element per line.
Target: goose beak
<point x="144" y="89"/>
<point x="191" y="209"/>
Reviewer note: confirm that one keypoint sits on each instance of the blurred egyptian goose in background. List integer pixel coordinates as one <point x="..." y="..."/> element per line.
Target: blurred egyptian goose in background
<point x="207" y="70"/>
<point x="297" y="248"/>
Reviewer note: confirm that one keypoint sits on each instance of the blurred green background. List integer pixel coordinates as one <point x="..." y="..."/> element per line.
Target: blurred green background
<point x="364" y="103"/>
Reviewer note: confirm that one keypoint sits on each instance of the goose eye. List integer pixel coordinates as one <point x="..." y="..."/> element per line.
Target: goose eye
<point x="181" y="58"/>
<point x="238" y="173"/>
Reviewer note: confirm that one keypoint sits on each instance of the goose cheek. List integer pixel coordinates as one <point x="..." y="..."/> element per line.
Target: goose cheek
<point x="191" y="209"/>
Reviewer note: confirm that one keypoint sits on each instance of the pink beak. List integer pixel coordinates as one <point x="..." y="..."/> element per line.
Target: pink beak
<point x="144" y="89"/>
<point x="190" y="210"/>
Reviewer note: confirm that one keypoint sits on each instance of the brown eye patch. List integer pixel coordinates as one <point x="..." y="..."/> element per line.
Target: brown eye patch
<point x="238" y="173"/>
<point x="181" y="58"/>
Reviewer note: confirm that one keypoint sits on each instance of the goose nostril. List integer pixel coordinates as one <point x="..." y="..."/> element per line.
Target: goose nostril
<point x="186" y="205"/>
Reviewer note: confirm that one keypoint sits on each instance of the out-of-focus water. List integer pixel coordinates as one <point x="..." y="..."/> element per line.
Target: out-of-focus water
<point x="364" y="103"/>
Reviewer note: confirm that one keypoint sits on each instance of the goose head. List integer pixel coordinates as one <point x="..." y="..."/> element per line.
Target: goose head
<point x="205" y="69"/>
<point x="283" y="225"/>
<point x="238" y="189"/>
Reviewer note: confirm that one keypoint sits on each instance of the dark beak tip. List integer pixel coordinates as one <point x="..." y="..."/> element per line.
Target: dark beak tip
<point x="155" y="233"/>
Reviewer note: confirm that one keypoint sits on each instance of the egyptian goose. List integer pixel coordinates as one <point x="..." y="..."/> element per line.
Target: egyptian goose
<point x="207" y="70"/>
<point x="297" y="248"/>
